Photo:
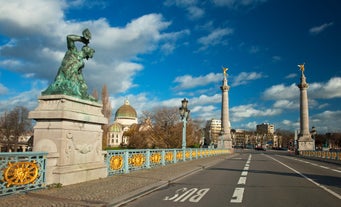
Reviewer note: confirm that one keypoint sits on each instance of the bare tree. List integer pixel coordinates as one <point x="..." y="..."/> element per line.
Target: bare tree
<point x="166" y="130"/>
<point x="95" y="94"/>
<point x="13" y="125"/>
<point x="106" y="111"/>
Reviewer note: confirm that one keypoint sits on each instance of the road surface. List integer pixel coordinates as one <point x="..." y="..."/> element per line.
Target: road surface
<point x="253" y="178"/>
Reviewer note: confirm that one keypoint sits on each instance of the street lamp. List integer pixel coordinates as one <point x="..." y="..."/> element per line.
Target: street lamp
<point x="184" y="114"/>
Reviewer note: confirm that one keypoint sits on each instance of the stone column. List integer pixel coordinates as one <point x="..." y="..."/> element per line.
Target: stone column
<point x="225" y="140"/>
<point x="69" y="129"/>
<point x="305" y="142"/>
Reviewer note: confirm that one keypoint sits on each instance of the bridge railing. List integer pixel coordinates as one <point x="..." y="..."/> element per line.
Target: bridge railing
<point x="22" y="171"/>
<point x="124" y="161"/>
<point x="322" y="154"/>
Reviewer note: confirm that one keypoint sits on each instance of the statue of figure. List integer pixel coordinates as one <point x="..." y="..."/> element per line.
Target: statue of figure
<point x="69" y="79"/>
<point x="225" y="71"/>
<point x="301" y="67"/>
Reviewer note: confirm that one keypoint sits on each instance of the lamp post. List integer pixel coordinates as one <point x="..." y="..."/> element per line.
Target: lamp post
<point x="184" y="114"/>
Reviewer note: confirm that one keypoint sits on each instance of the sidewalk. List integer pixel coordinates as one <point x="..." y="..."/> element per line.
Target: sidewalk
<point x="111" y="191"/>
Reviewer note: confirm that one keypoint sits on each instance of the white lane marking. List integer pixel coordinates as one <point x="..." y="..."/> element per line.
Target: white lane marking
<point x="314" y="164"/>
<point x="237" y="195"/>
<point x="242" y="181"/>
<point x="302" y="175"/>
<point x="336" y="170"/>
<point x="324" y="167"/>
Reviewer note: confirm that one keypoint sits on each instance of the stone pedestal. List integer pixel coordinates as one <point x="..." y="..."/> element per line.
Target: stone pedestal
<point x="305" y="142"/>
<point x="225" y="141"/>
<point x="69" y="129"/>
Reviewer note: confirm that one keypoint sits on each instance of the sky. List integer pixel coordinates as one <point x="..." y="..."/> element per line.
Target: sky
<point x="157" y="52"/>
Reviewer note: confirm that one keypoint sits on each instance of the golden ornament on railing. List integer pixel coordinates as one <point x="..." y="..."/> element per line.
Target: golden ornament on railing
<point x="194" y="153"/>
<point x="169" y="156"/>
<point x="116" y="162"/>
<point x="21" y="173"/>
<point x="179" y="155"/>
<point x="137" y="160"/>
<point x="155" y="158"/>
<point x="188" y="155"/>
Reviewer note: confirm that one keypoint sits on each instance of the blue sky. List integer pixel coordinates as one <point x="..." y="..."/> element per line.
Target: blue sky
<point x="156" y="53"/>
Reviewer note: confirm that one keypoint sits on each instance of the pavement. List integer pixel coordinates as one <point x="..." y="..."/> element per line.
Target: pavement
<point x="111" y="191"/>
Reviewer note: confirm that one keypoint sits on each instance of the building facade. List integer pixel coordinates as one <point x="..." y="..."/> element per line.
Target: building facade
<point x="125" y="117"/>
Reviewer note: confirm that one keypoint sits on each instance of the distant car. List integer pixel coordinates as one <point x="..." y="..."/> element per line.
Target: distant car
<point x="260" y="148"/>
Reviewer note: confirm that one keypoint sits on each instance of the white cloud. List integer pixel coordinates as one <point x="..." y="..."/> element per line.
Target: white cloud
<point x="3" y="89"/>
<point x="235" y="4"/>
<point x="191" y="6"/>
<point x="331" y="89"/>
<point x="286" y="104"/>
<point x="278" y="92"/>
<point x="246" y="111"/>
<point x="318" y="29"/>
<point x="276" y="58"/>
<point x="37" y="33"/>
<point x="254" y="50"/>
<point x="329" y="119"/>
<point x="187" y="81"/>
<point x="244" y="78"/>
<point x="291" y="75"/>
<point x="214" y="38"/>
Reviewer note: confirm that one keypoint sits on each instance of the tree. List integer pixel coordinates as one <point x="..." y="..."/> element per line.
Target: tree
<point x="13" y="125"/>
<point x="106" y="111"/>
<point x="95" y="94"/>
<point x="286" y="137"/>
<point x="165" y="130"/>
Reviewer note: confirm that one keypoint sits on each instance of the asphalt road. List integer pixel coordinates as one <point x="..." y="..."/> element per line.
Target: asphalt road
<point x="253" y="178"/>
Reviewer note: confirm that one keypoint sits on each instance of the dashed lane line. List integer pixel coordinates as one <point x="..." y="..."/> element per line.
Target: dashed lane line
<point x="238" y="193"/>
<point x="309" y="179"/>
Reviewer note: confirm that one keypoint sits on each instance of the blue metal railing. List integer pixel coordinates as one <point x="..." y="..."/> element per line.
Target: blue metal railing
<point x="125" y="161"/>
<point x="22" y="171"/>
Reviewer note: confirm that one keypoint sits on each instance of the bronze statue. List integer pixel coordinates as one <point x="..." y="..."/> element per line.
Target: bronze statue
<point x="301" y="67"/>
<point x="69" y="79"/>
<point x="225" y="71"/>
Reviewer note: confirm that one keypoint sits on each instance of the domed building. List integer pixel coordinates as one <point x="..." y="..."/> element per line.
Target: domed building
<point x="125" y="116"/>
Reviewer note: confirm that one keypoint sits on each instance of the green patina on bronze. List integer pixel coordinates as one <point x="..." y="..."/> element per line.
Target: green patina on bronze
<point x="69" y="79"/>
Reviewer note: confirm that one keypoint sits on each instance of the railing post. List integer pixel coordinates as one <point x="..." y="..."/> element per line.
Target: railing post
<point x="163" y="157"/>
<point x="126" y="161"/>
<point x="174" y="156"/>
<point x="148" y="158"/>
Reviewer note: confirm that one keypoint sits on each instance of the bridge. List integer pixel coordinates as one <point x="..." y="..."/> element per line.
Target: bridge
<point x="244" y="178"/>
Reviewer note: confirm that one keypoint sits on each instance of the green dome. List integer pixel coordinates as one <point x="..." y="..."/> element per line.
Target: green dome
<point x="115" y="127"/>
<point x="126" y="111"/>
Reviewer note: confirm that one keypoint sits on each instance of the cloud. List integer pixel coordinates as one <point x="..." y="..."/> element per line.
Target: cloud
<point x="318" y="29"/>
<point x="187" y="81"/>
<point x="191" y="6"/>
<point x="214" y="38"/>
<point x="327" y="121"/>
<point x="3" y="89"/>
<point x="254" y="50"/>
<point x="291" y="75"/>
<point x="37" y="42"/>
<point x="236" y="4"/>
<point x="276" y="58"/>
<point x="328" y="90"/>
<point x="244" y="78"/>
<point x="280" y="91"/>
<point x="286" y="104"/>
<point x="27" y="99"/>
<point x="246" y="111"/>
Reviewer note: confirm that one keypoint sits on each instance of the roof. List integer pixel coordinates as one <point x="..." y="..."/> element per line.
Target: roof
<point x="126" y="111"/>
